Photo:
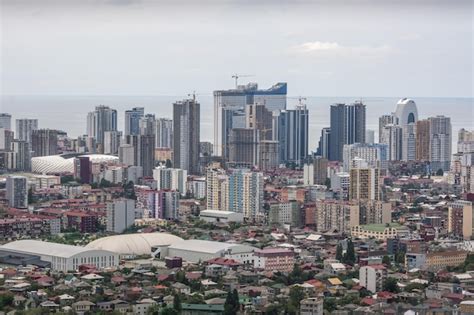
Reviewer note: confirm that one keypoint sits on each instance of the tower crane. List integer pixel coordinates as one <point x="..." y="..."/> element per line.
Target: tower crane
<point x="237" y="76"/>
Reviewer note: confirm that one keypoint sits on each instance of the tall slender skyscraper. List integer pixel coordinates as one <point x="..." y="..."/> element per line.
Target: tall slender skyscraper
<point x="226" y="102"/>
<point x="422" y="152"/>
<point x="44" y="142"/>
<point x="102" y="119"/>
<point x="112" y="140"/>
<point x="6" y="121"/>
<point x="186" y="134"/>
<point x="143" y="152"/>
<point x="17" y="192"/>
<point x="385" y="120"/>
<point x="347" y="127"/>
<point x="148" y="125"/>
<point x="164" y="133"/>
<point x="21" y="155"/>
<point x="293" y="134"/>
<point x="407" y="116"/>
<point x="132" y="120"/>
<point x="25" y="127"/>
<point x="324" y="143"/>
<point x="392" y="136"/>
<point x="440" y="143"/>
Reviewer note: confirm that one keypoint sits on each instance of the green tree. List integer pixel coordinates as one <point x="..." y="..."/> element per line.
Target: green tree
<point x="296" y="295"/>
<point x="272" y="309"/>
<point x="153" y="310"/>
<point x="6" y="299"/>
<point x="231" y="306"/>
<point x="169" y="311"/>
<point x="349" y="257"/>
<point x="386" y="261"/>
<point x="177" y="303"/>
<point x="339" y="252"/>
<point x="390" y="285"/>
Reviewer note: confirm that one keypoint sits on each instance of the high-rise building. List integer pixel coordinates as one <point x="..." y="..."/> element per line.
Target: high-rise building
<point x="120" y="215"/>
<point x="24" y="128"/>
<point x="407" y="116"/>
<point x="167" y="205"/>
<point x="245" y="191"/>
<point x="112" y="141"/>
<point x="293" y="135"/>
<point x="102" y="119"/>
<point x="320" y="170"/>
<point x="376" y="155"/>
<point x="148" y="125"/>
<point x="268" y="155"/>
<point x="5" y="121"/>
<point x="347" y="127"/>
<point x="164" y="133"/>
<point x="143" y="152"/>
<point x="374" y="212"/>
<point x="440" y="143"/>
<point x="170" y="179"/>
<point x="226" y="102"/>
<point x="392" y="136"/>
<point x="83" y="169"/>
<point x="44" y="142"/>
<point x="243" y="147"/>
<point x="385" y="120"/>
<point x="364" y="184"/>
<point x="285" y="213"/>
<point x="126" y="154"/>
<point x="216" y="188"/>
<point x="461" y="219"/>
<point x="422" y="152"/>
<point x="369" y="136"/>
<point x="259" y="117"/>
<point x="336" y="216"/>
<point x="132" y="120"/>
<point x="324" y="143"/>
<point x="17" y="192"/>
<point x="21" y="155"/>
<point x="6" y="138"/>
<point x="186" y="135"/>
<point x="465" y="135"/>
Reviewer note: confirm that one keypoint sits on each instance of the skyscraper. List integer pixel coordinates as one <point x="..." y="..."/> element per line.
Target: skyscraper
<point x="112" y="140"/>
<point x="167" y="205"/>
<point x="347" y="127"/>
<point x="120" y="215"/>
<point x="376" y="155"/>
<point x="392" y="136"/>
<point x="364" y="184"/>
<point x="143" y="152"/>
<point x="293" y="135"/>
<point x="422" y="152"/>
<point x="164" y="133"/>
<point x="25" y="127"/>
<point x="243" y="146"/>
<point x="384" y="120"/>
<point x="21" y="155"/>
<point x="170" y="179"/>
<point x="44" y="142"/>
<point x="440" y="143"/>
<point x="186" y="135"/>
<point x="6" y="121"/>
<point x="324" y="143"/>
<point x="132" y="120"/>
<point x="226" y="102"/>
<point x="245" y="191"/>
<point x="407" y="116"/>
<point x="127" y="154"/>
<point x="102" y="119"/>
<point x="6" y="138"/>
<point x="83" y="169"/>
<point x="17" y="192"/>
<point x="148" y="125"/>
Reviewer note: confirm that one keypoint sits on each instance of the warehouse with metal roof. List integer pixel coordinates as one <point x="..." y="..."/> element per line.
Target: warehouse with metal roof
<point x="63" y="257"/>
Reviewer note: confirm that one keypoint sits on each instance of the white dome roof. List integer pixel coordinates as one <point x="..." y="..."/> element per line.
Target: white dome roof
<point x="406" y="111"/>
<point x="136" y="244"/>
<point x="64" y="164"/>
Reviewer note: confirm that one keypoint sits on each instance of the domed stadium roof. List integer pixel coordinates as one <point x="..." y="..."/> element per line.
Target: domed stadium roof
<point x="134" y="244"/>
<point x="53" y="164"/>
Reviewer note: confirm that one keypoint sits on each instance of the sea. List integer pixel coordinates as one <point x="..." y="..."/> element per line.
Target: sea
<point x="69" y="112"/>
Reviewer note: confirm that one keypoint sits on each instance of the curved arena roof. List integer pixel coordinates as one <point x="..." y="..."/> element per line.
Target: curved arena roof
<point x="135" y="244"/>
<point x="53" y="164"/>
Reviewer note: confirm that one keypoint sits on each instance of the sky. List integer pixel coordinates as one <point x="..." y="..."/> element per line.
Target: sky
<point x="321" y="48"/>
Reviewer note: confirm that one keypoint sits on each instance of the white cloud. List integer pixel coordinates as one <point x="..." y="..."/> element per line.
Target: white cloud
<point x="318" y="47"/>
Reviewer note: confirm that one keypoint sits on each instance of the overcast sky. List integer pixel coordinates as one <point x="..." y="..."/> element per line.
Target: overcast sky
<point x="321" y="48"/>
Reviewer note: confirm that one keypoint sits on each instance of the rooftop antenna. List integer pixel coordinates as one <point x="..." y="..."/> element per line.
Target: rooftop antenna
<point x="193" y="95"/>
<point x="237" y="76"/>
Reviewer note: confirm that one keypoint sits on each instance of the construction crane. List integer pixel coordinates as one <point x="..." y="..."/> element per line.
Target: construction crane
<point x="237" y="76"/>
<point x="300" y="100"/>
